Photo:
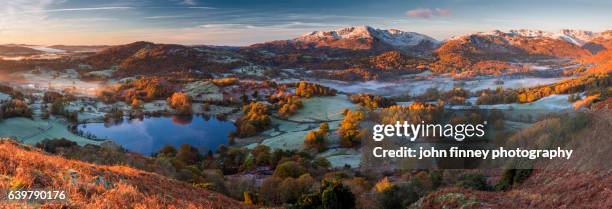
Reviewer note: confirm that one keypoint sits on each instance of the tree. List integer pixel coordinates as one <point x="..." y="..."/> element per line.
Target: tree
<point x="305" y="89"/>
<point x="136" y="103"/>
<point x="399" y="196"/>
<point x="289" y="169"/>
<point x="188" y="154"/>
<point x="349" y="128"/>
<point x="181" y="102"/>
<point x="315" y="139"/>
<point x="167" y="151"/>
<point x="255" y="118"/>
<point x="334" y="195"/>
<point x="269" y="190"/>
<point x="289" y="106"/>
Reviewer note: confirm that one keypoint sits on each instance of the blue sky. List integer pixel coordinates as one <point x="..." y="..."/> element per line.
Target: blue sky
<point x="243" y="22"/>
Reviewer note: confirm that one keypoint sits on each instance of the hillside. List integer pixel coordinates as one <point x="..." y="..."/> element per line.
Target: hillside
<point x="146" y="58"/>
<point x="472" y="50"/>
<point x="583" y="182"/>
<point x="95" y="186"/>
<point x="12" y="50"/>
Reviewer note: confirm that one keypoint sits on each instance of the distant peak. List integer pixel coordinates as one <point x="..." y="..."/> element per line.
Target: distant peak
<point x="394" y="37"/>
<point x="573" y="31"/>
<point x="531" y="33"/>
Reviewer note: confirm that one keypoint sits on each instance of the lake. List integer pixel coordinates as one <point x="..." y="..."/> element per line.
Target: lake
<point x="149" y="135"/>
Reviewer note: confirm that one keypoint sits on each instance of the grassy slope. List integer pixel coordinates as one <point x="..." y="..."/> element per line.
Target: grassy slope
<point x="94" y="186"/>
<point x="584" y="182"/>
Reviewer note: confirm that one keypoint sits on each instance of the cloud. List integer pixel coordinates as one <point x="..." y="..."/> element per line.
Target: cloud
<point x="186" y="2"/>
<point x="167" y="17"/>
<point x="70" y="10"/>
<point x="428" y="12"/>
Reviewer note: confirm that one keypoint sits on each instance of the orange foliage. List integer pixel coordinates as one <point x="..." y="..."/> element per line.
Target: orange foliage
<point x="96" y="186"/>
<point x="181" y="102"/>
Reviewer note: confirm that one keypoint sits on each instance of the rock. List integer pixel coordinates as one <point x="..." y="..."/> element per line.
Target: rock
<point x="100" y="180"/>
<point x="73" y="176"/>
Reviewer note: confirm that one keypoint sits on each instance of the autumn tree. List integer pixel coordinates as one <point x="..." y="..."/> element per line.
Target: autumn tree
<point x="289" y="106"/>
<point x="305" y="89"/>
<point x="255" y="118"/>
<point x="316" y="139"/>
<point x="349" y="132"/>
<point x="181" y="102"/>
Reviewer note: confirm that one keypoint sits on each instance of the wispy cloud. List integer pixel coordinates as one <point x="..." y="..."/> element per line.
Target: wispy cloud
<point x="185" y="2"/>
<point x="428" y="12"/>
<point x="201" y="8"/>
<point x="228" y="26"/>
<point x="71" y="10"/>
<point x="188" y="2"/>
<point x="167" y="17"/>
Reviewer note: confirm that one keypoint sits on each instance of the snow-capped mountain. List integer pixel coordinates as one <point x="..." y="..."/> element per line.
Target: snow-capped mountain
<point x="393" y="37"/>
<point x="578" y="37"/>
<point x="575" y="37"/>
<point x="531" y="33"/>
<point x="363" y="38"/>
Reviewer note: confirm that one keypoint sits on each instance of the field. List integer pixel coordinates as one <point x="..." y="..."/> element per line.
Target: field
<point x="418" y="85"/>
<point x="289" y="133"/>
<point x="32" y="131"/>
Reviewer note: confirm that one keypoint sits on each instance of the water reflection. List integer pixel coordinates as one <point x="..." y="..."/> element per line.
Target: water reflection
<point x="148" y="135"/>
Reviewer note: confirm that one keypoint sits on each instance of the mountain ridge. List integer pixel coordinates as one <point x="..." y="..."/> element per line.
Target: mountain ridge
<point x="352" y="47"/>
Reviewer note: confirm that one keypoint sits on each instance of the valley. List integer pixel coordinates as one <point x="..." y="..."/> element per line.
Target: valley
<point x="242" y="120"/>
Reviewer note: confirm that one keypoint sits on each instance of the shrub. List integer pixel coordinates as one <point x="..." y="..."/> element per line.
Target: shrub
<point x="269" y="190"/>
<point x="248" y="198"/>
<point x="51" y="145"/>
<point x="225" y="81"/>
<point x="180" y="102"/>
<point x="334" y="195"/>
<point x="321" y="162"/>
<point x="289" y="169"/>
<point x="167" y="151"/>
<point x="511" y="177"/>
<point x="188" y="154"/>
<point x="435" y="177"/>
<point x="315" y="139"/>
<point x="289" y="106"/>
<point x="371" y="102"/>
<point x="473" y="181"/>
<point x="15" y="108"/>
<point x="399" y="196"/>
<point x="309" y="201"/>
<point x="383" y="185"/>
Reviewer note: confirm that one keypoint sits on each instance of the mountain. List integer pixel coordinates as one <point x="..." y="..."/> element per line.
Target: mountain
<point x="96" y="186"/>
<point x="358" y="47"/>
<point x="80" y="48"/>
<point x="150" y="58"/>
<point x="13" y="50"/>
<point x="466" y="51"/>
<point x="358" y="38"/>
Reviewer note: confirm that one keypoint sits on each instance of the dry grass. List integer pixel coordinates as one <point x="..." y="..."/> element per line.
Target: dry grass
<point x="583" y="182"/>
<point x="122" y="187"/>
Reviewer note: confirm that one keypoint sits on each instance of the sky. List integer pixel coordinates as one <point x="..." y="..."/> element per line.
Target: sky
<point x="244" y="22"/>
